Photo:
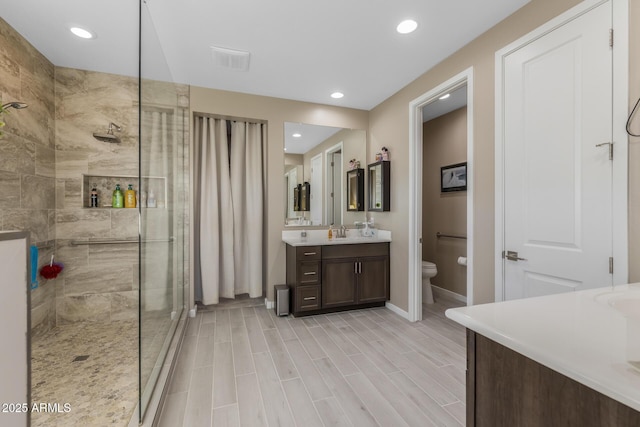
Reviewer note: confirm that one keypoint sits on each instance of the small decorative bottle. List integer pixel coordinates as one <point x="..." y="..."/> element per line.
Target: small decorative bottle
<point x="151" y="200"/>
<point x="330" y="233"/>
<point x="130" y="197"/>
<point x="117" y="200"/>
<point x="94" y="197"/>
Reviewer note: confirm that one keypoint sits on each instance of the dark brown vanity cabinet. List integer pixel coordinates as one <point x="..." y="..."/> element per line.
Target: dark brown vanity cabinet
<point x="303" y="277"/>
<point x="350" y="276"/>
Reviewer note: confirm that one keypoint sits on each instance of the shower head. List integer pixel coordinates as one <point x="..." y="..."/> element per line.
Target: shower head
<point x="108" y="136"/>
<point x="14" y="104"/>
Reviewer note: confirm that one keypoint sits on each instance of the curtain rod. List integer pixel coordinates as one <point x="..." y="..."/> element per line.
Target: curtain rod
<point x="231" y="118"/>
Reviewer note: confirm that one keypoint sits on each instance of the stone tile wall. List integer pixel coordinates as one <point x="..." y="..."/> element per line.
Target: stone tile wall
<point x="101" y="281"/>
<point x="44" y="153"/>
<point x="27" y="158"/>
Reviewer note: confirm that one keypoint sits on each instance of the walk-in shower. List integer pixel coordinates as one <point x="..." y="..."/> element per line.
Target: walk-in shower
<point x="101" y="331"/>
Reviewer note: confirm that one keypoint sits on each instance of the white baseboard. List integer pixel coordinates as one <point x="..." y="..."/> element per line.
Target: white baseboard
<point x="448" y="294"/>
<point x="397" y="310"/>
<point x="193" y="311"/>
<point x="269" y="304"/>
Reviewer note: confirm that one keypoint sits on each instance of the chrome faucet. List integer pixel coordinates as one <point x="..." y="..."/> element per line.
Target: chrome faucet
<point x="341" y="232"/>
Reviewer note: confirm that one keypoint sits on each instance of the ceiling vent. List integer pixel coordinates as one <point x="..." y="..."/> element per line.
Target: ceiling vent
<point x="229" y="58"/>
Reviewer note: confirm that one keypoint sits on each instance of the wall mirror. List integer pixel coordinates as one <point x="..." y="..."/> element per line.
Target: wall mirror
<point x="320" y="156"/>
<point x="380" y="186"/>
<point x="355" y="190"/>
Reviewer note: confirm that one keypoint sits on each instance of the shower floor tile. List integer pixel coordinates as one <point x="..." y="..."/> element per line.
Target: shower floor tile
<point x="93" y="367"/>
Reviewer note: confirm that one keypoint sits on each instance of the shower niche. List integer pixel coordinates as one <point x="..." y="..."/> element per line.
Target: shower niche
<point x="105" y="184"/>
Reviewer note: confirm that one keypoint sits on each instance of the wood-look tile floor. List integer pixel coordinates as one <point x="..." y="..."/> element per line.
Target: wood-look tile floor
<point x="247" y="367"/>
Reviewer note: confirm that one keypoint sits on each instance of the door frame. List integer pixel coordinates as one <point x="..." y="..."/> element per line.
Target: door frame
<point x="328" y="176"/>
<point x="415" y="188"/>
<point x="620" y="76"/>
<point x="321" y="192"/>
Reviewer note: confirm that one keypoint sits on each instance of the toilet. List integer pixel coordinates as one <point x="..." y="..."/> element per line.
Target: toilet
<point x="429" y="270"/>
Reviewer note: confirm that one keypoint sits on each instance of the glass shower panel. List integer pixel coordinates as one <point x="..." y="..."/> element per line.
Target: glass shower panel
<point x="162" y="201"/>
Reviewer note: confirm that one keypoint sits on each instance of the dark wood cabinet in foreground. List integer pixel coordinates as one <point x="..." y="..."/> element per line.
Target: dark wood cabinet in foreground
<point x="505" y="388"/>
<point x="337" y="277"/>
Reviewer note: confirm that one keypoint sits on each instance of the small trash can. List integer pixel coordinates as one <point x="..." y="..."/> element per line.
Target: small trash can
<point x="282" y="300"/>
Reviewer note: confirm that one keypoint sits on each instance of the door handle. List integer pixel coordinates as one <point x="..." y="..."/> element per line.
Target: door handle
<point x="610" y="144"/>
<point x="512" y="256"/>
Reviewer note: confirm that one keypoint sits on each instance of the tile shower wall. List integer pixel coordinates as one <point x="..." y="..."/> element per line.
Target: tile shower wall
<point x="27" y="158"/>
<point x="100" y="282"/>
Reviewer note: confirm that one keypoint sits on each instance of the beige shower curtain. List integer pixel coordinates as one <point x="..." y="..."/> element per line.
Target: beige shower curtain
<point x="229" y="181"/>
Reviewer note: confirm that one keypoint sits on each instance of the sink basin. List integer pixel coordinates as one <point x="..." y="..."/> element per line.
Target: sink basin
<point x="627" y="303"/>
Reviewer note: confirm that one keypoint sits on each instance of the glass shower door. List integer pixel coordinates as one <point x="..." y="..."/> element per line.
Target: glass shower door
<point x="162" y="202"/>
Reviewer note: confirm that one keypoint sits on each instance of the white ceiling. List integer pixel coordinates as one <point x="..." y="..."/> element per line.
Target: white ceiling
<point x="310" y="136"/>
<point x="300" y="50"/>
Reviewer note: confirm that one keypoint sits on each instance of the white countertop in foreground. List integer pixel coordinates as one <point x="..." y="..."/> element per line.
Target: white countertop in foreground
<point x="590" y="336"/>
<point x="319" y="238"/>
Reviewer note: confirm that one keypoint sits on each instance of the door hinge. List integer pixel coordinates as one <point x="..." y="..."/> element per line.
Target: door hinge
<point x="610" y="37"/>
<point x="610" y="265"/>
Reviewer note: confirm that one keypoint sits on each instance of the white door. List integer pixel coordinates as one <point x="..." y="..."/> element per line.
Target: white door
<point x="557" y="108"/>
<point x="316" y="190"/>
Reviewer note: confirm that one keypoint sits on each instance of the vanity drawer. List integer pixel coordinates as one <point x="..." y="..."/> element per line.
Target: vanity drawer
<point x="307" y="298"/>
<point x="308" y="272"/>
<point x="304" y="253"/>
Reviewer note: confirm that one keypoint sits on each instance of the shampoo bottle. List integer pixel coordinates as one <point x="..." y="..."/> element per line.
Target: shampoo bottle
<point x="94" y="197"/>
<point x="117" y="200"/>
<point x="130" y="197"/>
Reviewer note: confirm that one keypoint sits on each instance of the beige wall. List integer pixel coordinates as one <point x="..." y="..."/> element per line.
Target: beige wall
<point x="389" y="126"/>
<point x="445" y="143"/>
<point x="275" y="111"/>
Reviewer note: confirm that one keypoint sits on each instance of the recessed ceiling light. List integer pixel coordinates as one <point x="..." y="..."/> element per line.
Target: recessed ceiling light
<point x="407" y="26"/>
<point x="444" y="96"/>
<point x="296" y="135"/>
<point x="337" y="95"/>
<point x="82" y="33"/>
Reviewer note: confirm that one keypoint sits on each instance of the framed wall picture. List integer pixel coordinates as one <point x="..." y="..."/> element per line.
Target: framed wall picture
<point x="453" y="177"/>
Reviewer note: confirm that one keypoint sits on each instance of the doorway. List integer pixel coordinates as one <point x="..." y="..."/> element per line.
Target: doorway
<point x="415" y="188"/>
<point x="444" y="196"/>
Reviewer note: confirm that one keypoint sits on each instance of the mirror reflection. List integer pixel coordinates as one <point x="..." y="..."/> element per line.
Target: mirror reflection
<point x="316" y="161"/>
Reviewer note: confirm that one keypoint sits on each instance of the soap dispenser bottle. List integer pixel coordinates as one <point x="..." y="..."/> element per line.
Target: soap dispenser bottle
<point x="330" y="233"/>
<point x="117" y="200"/>
<point x="130" y="197"/>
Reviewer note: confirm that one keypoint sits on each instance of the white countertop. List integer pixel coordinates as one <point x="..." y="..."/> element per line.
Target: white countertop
<point x="318" y="237"/>
<point x="591" y="336"/>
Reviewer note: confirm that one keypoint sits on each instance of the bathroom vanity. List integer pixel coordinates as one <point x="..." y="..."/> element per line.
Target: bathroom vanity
<point x="339" y="274"/>
<point x="571" y="359"/>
